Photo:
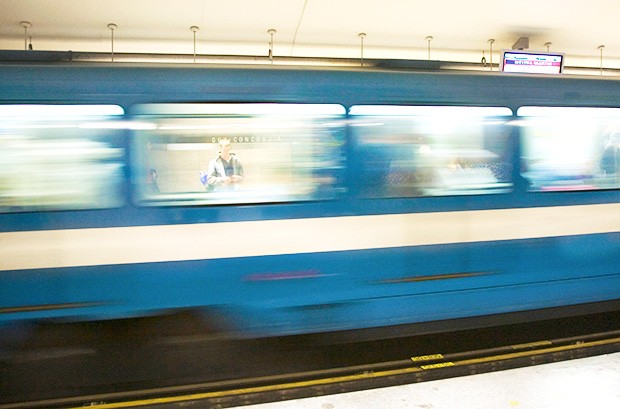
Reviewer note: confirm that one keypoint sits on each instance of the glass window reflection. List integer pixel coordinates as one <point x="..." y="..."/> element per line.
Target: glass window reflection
<point x="570" y="148"/>
<point x="238" y="153"/>
<point x="409" y="151"/>
<point x="60" y="157"/>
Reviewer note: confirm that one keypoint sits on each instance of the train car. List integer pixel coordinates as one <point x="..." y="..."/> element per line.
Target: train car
<point x="360" y="199"/>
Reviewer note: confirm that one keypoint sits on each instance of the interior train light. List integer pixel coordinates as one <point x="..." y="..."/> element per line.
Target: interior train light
<point x="240" y="109"/>
<point x="571" y="112"/>
<point x="131" y="125"/>
<point x="59" y="112"/>
<point x="408" y="110"/>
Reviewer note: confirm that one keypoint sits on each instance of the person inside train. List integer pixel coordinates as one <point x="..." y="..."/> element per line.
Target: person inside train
<point x="224" y="172"/>
<point x="610" y="159"/>
<point x="151" y="182"/>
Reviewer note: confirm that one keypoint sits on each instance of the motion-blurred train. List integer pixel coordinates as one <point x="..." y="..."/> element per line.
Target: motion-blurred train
<point x="370" y="199"/>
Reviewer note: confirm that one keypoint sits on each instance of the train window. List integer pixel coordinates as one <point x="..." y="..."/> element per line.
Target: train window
<point x="408" y="151"/>
<point x="60" y="157"/>
<point x="570" y="148"/>
<point x="237" y="153"/>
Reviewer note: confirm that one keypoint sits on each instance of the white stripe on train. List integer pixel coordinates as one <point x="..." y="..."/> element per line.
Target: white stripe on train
<point x="143" y="244"/>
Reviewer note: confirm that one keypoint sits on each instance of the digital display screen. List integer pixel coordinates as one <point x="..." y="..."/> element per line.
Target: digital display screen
<point x="532" y="62"/>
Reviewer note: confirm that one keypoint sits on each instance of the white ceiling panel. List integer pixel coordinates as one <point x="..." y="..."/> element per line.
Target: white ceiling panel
<point x="327" y="28"/>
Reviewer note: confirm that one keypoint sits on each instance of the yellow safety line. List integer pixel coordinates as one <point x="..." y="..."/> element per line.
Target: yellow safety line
<point x="338" y="379"/>
<point x="539" y="351"/>
<point x="256" y="389"/>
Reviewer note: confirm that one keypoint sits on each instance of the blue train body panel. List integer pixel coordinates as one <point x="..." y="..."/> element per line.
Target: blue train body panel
<point x="331" y="291"/>
<point x="369" y="199"/>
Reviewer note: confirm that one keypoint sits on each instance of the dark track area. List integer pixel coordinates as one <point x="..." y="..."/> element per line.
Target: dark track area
<point x="54" y="361"/>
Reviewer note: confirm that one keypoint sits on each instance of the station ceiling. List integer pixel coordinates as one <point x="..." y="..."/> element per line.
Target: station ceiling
<point x="460" y="30"/>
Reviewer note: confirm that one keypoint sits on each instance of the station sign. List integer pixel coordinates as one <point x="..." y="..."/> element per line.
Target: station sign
<point x="532" y="62"/>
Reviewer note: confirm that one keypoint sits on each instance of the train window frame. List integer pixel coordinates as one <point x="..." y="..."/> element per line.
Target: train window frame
<point x="581" y="168"/>
<point x="415" y="176"/>
<point x="200" y="126"/>
<point x="62" y="157"/>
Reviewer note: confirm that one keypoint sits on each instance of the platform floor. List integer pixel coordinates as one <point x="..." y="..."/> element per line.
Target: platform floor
<point x="577" y="384"/>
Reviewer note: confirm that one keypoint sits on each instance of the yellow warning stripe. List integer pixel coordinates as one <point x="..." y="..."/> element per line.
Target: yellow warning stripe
<point x="439" y="365"/>
<point x="532" y="345"/>
<point x="433" y="357"/>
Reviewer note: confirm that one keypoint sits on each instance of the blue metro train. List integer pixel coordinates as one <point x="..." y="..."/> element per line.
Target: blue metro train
<point x="367" y="198"/>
